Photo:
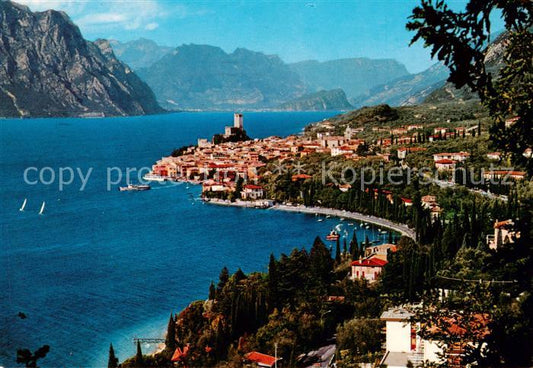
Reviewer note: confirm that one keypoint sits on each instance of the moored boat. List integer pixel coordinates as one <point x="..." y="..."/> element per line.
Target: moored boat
<point x="153" y="177"/>
<point x="333" y="235"/>
<point x="134" y="188"/>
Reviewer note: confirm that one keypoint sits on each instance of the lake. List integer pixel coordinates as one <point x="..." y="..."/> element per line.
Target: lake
<point x="102" y="266"/>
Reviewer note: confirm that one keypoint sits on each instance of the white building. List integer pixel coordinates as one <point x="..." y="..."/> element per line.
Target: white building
<point x="403" y="345"/>
<point x="456" y="156"/>
<point x="251" y="191"/>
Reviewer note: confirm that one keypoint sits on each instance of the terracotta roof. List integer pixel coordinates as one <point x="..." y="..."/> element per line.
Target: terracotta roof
<point x="445" y="161"/>
<point x="301" y="176"/>
<point x="260" y="358"/>
<point x="505" y="223"/>
<point x="251" y="186"/>
<point x="370" y="262"/>
<point x="505" y="172"/>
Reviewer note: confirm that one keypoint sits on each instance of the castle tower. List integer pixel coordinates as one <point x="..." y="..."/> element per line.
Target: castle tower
<point x="238" y="121"/>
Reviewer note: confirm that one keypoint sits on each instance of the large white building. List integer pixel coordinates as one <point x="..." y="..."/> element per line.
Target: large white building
<point x="403" y="345"/>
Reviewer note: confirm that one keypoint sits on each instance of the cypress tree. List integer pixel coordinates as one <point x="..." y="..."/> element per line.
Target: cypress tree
<point x="390" y="240"/>
<point x="170" y="340"/>
<point x="273" y="280"/>
<point x="321" y="265"/>
<point x="345" y="247"/>
<point x="212" y="291"/>
<point x="139" y="356"/>
<point x="338" y="251"/>
<point x="113" y="360"/>
<point x="354" y="247"/>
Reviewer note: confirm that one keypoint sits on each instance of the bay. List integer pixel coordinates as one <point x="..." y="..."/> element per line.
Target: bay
<point x="100" y="266"/>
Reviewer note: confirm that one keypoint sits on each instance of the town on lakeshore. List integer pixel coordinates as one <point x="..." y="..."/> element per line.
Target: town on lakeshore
<point x="236" y="170"/>
<point x="406" y="237"/>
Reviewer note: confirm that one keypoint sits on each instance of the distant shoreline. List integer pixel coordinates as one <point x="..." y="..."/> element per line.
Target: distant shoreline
<point x="400" y="228"/>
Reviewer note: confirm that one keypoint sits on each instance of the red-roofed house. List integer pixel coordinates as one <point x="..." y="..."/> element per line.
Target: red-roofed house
<point x="456" y="156"/>
<point x="504" y="174"/>
<point x="504" y="233"/>
<point x="407" y="202"/>
<point x="367" y="268"/>
<point x="496" y="156"/>
<point x="262" y="360"/>
<point x="445" y="164"/>
<point x="251" y="191"/>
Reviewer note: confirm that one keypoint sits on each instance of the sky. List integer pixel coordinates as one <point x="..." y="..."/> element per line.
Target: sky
<point x="294" y="30"/>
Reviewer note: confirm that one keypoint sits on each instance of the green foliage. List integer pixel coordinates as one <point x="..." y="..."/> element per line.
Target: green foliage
<point x="180" y="151"/>
<point x="459" y="40"/>
<point x="360" y="336"/>
<point x="223" y="278"/>
<point x="24" y="356"/>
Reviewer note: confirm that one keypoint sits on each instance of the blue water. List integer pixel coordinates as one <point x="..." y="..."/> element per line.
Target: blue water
<point x="103" y="266"/>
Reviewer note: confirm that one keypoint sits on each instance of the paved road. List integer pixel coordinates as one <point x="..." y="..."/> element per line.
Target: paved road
<point x="447" y="184"/>
<point x="401" y="228"/>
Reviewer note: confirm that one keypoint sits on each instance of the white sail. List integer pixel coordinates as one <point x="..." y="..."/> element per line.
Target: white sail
<point x="42" y="208"/>
<point x="23" y="204"/>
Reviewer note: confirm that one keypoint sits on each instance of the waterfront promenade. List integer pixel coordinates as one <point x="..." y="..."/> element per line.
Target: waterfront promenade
<point x="401" y="228"/>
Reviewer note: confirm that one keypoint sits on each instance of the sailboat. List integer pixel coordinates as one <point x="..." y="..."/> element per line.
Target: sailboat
<point x="23" y="205"/>
<point x="42" y="208"/>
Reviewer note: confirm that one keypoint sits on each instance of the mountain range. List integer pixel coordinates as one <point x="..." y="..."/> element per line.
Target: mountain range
<point x="409" y="90"/>
<point x="205" y="77"/>
<point x="355" y="76"/>
<point x="48" y="69"/>
<point x="334" y="99"/>
<point x="140" y="53"/>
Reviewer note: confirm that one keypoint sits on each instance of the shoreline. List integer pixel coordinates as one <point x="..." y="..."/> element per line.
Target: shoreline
<point x="400" y="228"/>
<point x="263" y="204"/>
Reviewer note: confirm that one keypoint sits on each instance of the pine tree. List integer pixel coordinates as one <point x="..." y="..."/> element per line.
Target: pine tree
<point x="223" y="279"/>
<point x="239" y="275"/>
<point x="113" y="360"/>
<point x="139" y="362"/>
<point x="170" y="340"/>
